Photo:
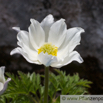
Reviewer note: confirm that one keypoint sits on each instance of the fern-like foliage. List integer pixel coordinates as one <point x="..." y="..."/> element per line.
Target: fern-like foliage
<point x="23" y="89"/>
<point x="27" y="88"/>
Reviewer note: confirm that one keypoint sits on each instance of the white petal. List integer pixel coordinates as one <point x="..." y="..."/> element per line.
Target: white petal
<point x="46" y="59"/>
<point x="75" y="37"/>
<point x="23" y="41"/>
<point x="26" y="50"/>
<point x="2" y="70"/>
<point x="23" y="37"/>
<point x="16" y="28"/>
<point x="36" y="34"/>
<point x="73" y="56"/>
<point x="57" y="64"/>
<point x="57" y="32"/>
<point x="30" y="58"/>
<point x="46" y="24"/>
<point x="5" y="86"/>
<point x="72" y="39"/>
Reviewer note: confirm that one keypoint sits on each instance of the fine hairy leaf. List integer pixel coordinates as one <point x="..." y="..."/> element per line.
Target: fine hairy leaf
<point x="28" y="88"/>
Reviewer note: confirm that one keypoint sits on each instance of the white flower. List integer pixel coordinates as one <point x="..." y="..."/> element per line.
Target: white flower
<point x="49" y="43"/>
<point x="3" y="83"/>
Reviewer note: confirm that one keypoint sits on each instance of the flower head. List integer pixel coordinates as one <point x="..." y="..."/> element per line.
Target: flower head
<point x="49" y="43"/>
<point x="3" y="83"/>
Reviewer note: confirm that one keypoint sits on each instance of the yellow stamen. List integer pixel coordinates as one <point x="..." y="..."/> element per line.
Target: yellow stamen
<point x="48" y="48"/>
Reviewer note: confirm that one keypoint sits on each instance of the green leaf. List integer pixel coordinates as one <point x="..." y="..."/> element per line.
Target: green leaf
<point x="28" y="88"/>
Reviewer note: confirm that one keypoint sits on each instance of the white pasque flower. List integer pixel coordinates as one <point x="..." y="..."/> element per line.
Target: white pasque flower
<point x="49" y="43"/>
<point x="3" y="83"/>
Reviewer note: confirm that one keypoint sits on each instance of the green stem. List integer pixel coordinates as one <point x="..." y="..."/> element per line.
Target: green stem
<point x="46" y="85"/>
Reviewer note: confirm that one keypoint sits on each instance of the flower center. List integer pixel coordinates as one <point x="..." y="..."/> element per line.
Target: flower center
<point x="48" y="48"/>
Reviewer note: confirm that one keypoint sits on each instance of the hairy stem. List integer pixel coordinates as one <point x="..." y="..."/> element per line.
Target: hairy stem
<point x="46" y="85"/>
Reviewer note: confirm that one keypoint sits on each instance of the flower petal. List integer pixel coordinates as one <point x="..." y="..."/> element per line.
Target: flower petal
<point x="2" y="70"/>
<point x="73" y="56"/>
<point x="16" y="28"/>
<point x="46" y="24"/>
<point x="46" y="59"/>
<point x="30" y="58"/>
<point x="57" y="64"/>
<point x="5" y="86"/>
<point x="36" y="33"/>
<point x="74" y="36"/>
<point x="72" y="39"/>
<point x="23" y="41"/>
<point x="23" y="37"/>
<point x="57" y="32"/>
